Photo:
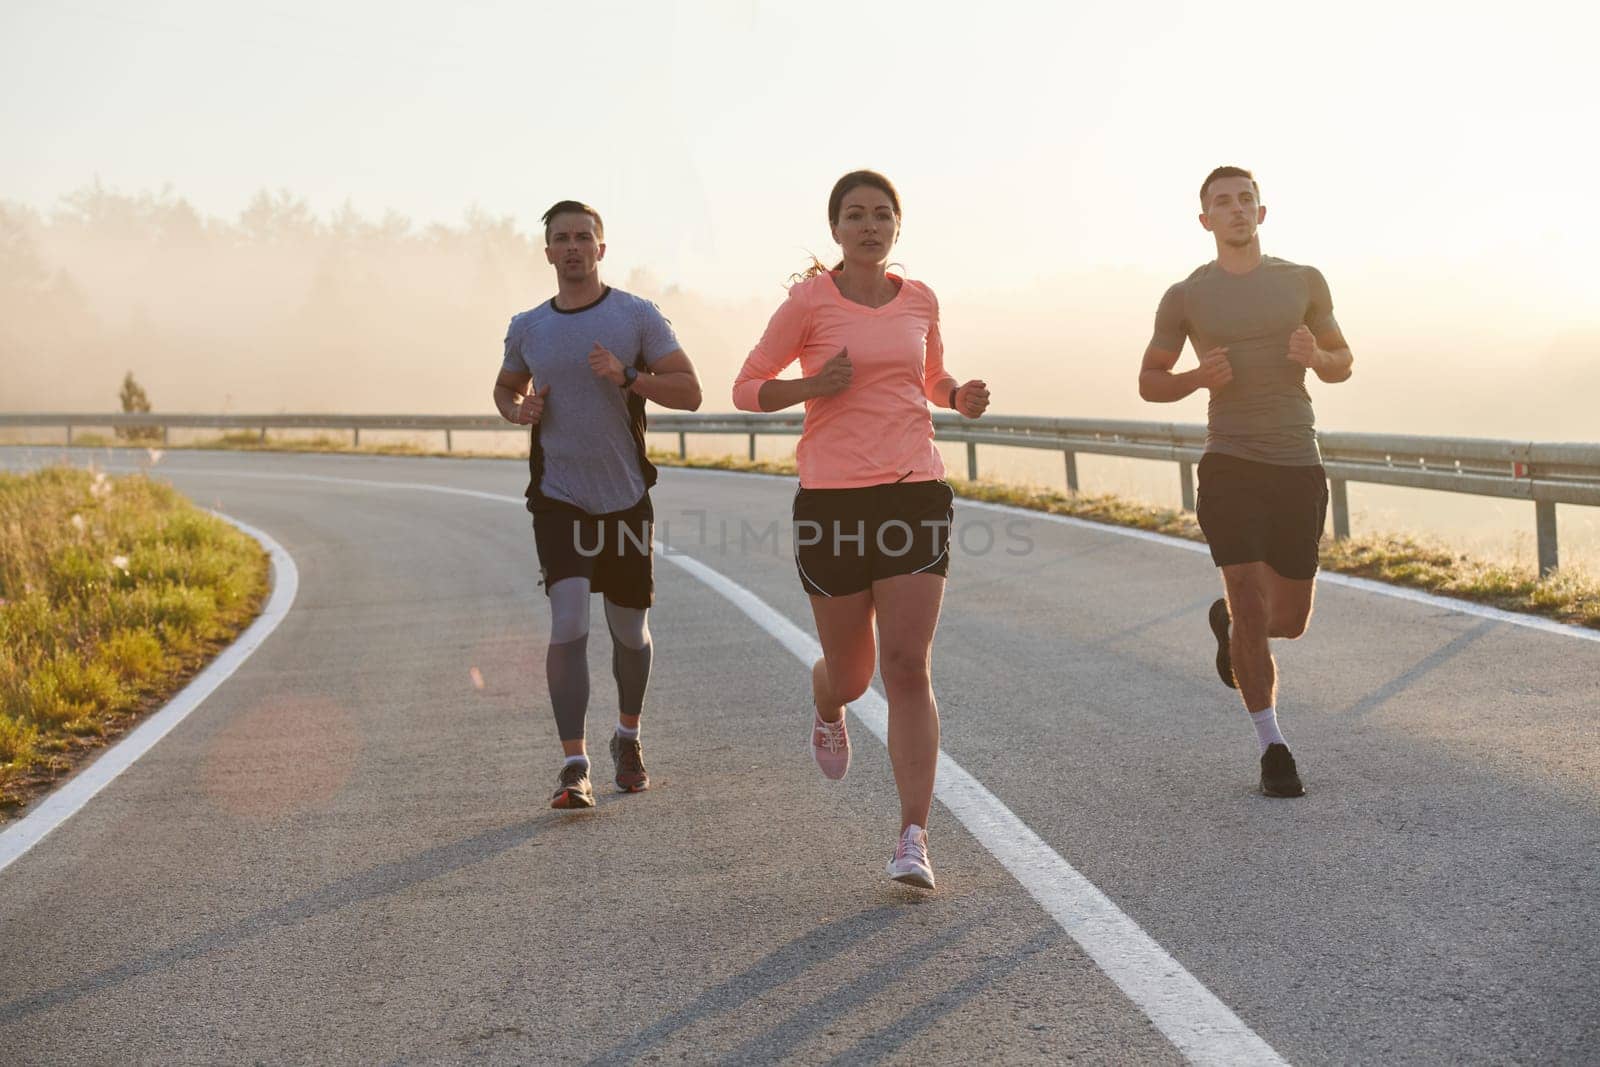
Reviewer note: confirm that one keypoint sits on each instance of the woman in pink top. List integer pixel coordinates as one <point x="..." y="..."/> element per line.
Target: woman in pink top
<point x="872" y="515"/>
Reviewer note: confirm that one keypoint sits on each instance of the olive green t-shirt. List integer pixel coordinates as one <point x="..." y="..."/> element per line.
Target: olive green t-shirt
<point x="1264" y="414"/>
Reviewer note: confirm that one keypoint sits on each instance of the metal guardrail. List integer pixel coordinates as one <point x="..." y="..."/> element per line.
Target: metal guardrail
<point x="1545" y="473"/>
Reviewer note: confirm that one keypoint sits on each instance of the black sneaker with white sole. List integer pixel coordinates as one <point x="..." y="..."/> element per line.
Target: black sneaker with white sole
<point x="1220" y="622"/>
<point x="1279" y="776"/>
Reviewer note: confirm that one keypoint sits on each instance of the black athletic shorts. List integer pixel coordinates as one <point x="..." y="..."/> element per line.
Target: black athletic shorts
<point x="612" y="550"/>
<point x="845" y="539"/>
<point x="1253" y="511"/>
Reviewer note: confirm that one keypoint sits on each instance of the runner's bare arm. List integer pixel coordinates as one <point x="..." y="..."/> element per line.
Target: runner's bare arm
<point x="1158" y="383"/>
<point x="1337" y="357"/>
<point x="671" y="382"/>
<point x="513" y="399"/>
<point x="1328" y="356"/>
<point x="509" y="389"/>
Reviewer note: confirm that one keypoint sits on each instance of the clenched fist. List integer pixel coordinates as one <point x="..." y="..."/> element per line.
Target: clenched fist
<point x="1303" y="347"/>
<point x="531" y="409"/>
<point x="835" y="375"/>
<point x="972" y="399"/>
<point x="1215" y="370"/>
<point x="604" y="365"/>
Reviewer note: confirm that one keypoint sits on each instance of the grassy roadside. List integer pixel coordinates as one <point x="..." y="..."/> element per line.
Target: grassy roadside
<point x="113" y="593"/>
<point x="1569" y="595"/>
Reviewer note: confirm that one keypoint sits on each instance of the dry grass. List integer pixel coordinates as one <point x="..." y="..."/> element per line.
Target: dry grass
<point x="113" y="593"/>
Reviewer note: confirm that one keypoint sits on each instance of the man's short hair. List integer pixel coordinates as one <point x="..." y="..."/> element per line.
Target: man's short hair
<point x="1228" y="172"/>
<point x="573" y="207"/>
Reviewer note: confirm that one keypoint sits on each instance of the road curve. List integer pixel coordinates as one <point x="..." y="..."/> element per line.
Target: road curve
<point x="344" y="856"/>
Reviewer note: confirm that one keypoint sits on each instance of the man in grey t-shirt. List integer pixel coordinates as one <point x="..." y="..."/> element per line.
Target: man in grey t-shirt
<point x="577" y="370"/>
<point x="1257" y="325"/>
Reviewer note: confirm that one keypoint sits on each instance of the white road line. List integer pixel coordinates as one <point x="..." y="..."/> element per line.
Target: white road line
<point x="1203" y="1028"/>
<point x="66" y="801"/>
<point x="1190" y="1016"/>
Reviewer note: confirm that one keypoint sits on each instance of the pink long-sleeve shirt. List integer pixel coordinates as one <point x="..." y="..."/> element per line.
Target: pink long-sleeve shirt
<point x="879" y="429"/>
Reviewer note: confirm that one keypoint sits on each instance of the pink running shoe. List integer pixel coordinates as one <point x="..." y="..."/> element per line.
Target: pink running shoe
<point x="910" y="863"/>
<point x="830" y="747"/>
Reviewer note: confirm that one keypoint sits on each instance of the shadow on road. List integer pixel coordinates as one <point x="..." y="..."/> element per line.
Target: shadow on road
<point x="815" y="949"/>
<point x="370" y="885"/>
<point x="1381" y="695"/>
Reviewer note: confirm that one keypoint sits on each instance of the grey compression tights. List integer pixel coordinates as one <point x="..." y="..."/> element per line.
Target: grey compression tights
<point x="631" y="650"/>
<point x="566" y="663"/>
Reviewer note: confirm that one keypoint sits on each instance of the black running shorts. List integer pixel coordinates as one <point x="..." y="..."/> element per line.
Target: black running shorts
<point x="1263" y="512"/>
<point x="846" y="539"/>
<point x="612" y="550"/>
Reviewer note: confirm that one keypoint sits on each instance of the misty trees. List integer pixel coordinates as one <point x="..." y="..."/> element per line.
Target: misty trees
<point x="277" y="306"/>
<point x="44" y="315"/>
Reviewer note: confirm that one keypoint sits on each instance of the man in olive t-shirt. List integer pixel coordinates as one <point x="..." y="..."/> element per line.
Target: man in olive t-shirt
<point x="1257" y="325"/>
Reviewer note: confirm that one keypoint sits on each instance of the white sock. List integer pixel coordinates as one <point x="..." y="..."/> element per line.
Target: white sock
<point x="570" y="760"/>
<point x="1266" y="721"/>
<point x="623" y="731"/>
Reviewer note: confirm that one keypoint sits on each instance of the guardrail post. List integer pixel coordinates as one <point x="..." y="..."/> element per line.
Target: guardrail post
<point x="356" y="430"/>
<point x="448" y="447"/>
<point x="69" y="435"/>
<point x="1072" y="471"/>
<point x="683" y="445"/>
<point x="972" y="461"/>
<point x="752" y="448"/>
<point x="165" y="434"/>
<point x="1544" y="512"/>
<point x="263" y="435"/>
<point x="1186" y="484"/>
<point x="1340" y="499"/>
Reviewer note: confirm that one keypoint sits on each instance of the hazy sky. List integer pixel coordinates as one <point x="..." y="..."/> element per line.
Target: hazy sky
<point x="1440" y="153"/>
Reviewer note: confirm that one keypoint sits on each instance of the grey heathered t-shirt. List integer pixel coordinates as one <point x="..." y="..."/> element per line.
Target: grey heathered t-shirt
<point x="1264" y="414"/>
<point x="590" y="458"/>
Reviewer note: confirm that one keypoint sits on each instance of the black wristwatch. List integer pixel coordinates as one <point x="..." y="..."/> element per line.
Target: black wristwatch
<point x="629" y="376"/>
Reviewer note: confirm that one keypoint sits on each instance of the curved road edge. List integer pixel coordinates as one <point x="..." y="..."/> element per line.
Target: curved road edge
<point x="65" y="802"/>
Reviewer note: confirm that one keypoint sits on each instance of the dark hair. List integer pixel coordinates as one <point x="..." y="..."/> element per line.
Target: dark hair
<point x="841" y="188"/>
<point x="573" y="207"/>
<point x="853" y="180"/>
<point x="1228" y="172"/>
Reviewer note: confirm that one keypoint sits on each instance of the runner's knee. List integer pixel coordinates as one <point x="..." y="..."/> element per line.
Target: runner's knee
<point x="629" y="626"/>
<point x="849" y="681"/>
<point x="569" y="610"/>
<point x="904" y="668"/>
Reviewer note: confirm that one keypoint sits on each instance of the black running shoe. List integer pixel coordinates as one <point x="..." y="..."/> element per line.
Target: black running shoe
<point x="1279" y="778"/>
<point x="627" y="755"/>
<point x="572" y="788"/>
<point x="1220" y="621"/>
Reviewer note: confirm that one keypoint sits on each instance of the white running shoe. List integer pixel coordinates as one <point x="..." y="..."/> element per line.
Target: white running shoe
<point x="910" y="863"/>
<point x="830" y="747"/>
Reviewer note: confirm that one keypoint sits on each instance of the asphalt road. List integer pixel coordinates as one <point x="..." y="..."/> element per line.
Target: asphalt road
<point x="344" y="854"/>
